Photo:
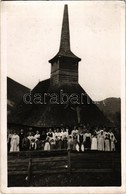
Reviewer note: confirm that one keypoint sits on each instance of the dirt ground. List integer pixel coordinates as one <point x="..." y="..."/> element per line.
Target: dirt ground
<point x="66" y="179"/>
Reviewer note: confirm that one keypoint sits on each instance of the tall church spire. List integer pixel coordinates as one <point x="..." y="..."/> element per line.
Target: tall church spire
<point x="64" y="50"/>
<point x="65" y="35"/>
<point x="64" y="66"/>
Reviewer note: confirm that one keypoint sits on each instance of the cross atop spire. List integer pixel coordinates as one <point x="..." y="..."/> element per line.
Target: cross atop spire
<point x="64" y="50"/>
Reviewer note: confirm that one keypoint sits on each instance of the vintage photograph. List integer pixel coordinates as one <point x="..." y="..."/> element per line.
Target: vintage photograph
<point x="64" y="93"/>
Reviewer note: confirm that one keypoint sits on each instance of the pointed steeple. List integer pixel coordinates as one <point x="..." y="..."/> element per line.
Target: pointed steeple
<point x="65" y="35"/>
<point x="64" y="50"/>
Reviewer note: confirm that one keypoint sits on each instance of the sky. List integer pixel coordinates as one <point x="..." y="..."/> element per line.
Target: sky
<point x="32" y="31"/>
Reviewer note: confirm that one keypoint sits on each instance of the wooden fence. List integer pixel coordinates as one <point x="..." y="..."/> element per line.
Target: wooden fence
<point x="56" y="161"/>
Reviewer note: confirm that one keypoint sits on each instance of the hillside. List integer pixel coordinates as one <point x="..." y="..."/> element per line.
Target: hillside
<point x="111" y="107"/>
<point x="15" y="92"/>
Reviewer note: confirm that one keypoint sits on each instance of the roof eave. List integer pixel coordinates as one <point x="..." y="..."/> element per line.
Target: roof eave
<point x="77" y="59"/>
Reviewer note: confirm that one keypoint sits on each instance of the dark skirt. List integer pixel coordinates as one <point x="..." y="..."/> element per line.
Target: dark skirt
<point x="87" y="143"/>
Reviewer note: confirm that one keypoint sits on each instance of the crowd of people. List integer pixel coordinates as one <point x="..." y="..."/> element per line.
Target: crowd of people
<point x="77" y="139"/>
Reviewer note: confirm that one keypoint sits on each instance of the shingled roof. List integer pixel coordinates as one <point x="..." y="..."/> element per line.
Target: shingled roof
<point x="50" y="115"/>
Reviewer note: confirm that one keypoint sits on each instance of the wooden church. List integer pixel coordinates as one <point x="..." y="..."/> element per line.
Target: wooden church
<point x="63" y="78"/>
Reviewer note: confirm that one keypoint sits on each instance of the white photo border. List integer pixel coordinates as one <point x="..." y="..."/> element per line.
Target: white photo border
<point x="3" y="122"/>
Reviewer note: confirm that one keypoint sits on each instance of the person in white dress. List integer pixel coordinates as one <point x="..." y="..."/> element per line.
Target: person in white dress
<point x="10" y="133"/>
<point x="107" y="142"/>
<point x="47" y="144"/>
<point x="30" y="136"/>
<point x="37" y="138"/>
<point x="70" y="142"/>
<point x="100" y="137"/>
<point x="14" y="142"/>
<point x="113" y="141"/>
<point x="94" y="142"/>
<point x="74" y="134"/>
<point x="37" y="135"/>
